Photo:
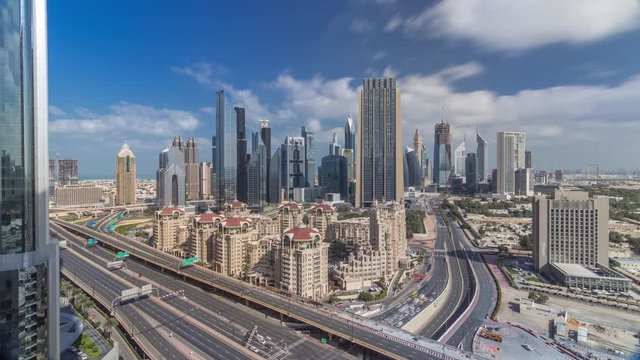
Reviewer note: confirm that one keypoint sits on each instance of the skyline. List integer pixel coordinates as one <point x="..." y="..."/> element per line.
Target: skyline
<point x="565" y="86"/>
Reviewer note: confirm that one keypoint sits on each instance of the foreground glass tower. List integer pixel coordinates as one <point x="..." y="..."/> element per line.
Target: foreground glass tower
<point x="29" y="262"/>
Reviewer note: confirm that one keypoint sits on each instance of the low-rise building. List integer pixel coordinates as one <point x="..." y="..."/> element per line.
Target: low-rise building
<point x="628" y="264"/>
<point x="78" y="195"/>
<point x="597" y="278"/>
<point x="360" y="270"/>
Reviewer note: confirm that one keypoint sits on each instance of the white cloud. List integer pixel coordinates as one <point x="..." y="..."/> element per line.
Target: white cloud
<point x="55" y="111"/>
<point x="211" y="110"/>
<point x="359" y="25"/>
<point x="393" y="23"/>
<point x="379" y="55"/>
<point x="128" y="119"/>
<point x="523" y="24"/>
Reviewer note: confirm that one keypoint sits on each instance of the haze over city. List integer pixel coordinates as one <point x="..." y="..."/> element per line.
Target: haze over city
<point x="566" y="78"/>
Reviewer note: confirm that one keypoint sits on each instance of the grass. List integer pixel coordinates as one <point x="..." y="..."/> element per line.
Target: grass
<point x="533" y="279"/>
<point x="124" y="229"/>
<point x="86" y="344"/>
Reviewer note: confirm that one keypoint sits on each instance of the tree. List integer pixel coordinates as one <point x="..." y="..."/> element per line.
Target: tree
<point x="333" y="298"/>
<point x="538" y="297"/>
<point x="503" y="248"/>
<point x="109" y="324"/>
<point x="525" y="242"/>
<point x="365" y="296"/>
<point x="615" y="237"/>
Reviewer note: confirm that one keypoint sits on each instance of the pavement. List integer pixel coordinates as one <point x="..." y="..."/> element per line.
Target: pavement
<point x="317" y="317"/>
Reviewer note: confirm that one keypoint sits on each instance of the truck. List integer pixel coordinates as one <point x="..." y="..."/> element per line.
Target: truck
<point x="490" y="335"/>
<point x="114" y="265"/>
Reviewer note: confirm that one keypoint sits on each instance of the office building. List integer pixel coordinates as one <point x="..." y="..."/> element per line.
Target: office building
<point x="204" y="179"/>
<point x="334" y="147"/>
<point x="482" y="154"/>
<point x="421" y="153"/>
<point x="265" y="136"/>
<point x="292" y="164"/>
<point x="170" y="178"/>
<point x="527" y="159"/>
<point x="524" y="182"/>
<point x="257" y="176"/>
<point x="460" y="158"/>
<point x="350" y="134"/>
<point x="67" y="172"/>
<point x="275" y="177"/>
<point x="471" y="172"/>
<point x="309" y="157"/>
<point x="571" y="240"/>
<point x="52" y="176"/>
<point x="125" y="176"/>
<point x="29" y="265"/>
<point x="214" y="157"/>
<point x="334" y="175"/>
<point x="78" y="195"/>
<point x="241" y="189"/>
<point x="379" y="173"/>
<point x="442" y="154"/>
<point x="191" y="166"/>
<point x="413" y="174"/>
<point x="226" y="162"/>
<point x="510" y="157"/>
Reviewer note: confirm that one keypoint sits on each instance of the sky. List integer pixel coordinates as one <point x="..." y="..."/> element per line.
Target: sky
<point x="567" y="73"/>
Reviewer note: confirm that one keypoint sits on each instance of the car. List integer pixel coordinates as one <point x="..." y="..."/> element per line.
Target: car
<point x="254" y="349"/>
<point x="74" y="349"/>
<point x="82" y="356"/>
<point x="526" y="346"/>
<point x="261" y="341"/>
<point x="270" y="347"/>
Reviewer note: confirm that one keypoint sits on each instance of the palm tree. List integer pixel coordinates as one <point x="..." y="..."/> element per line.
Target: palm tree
<point x="108" y="324"/>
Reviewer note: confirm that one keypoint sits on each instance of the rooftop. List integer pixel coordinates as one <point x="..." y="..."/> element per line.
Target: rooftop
<point x="235" y="204"/>
<point x="323" y="207"/>
<point x="583" y="271"/>
<point x="169" y="210"/>
<point x="291" y="205"/>
<point x="301" y="233"/>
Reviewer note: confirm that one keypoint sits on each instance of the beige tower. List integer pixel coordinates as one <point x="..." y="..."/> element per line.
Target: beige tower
<point x="125" y="176"/>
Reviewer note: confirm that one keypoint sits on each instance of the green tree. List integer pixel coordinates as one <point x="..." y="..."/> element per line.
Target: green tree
<point x="365" y="296"/>
<point x="525" y="242"/>
<point x="108" y="325"/>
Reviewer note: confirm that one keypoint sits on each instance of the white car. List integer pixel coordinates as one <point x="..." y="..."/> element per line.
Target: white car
<point x="254" y="349"/>
<point x="526" y="346"/>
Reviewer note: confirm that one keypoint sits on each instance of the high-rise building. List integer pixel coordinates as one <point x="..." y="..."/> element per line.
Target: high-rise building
<point x="304" y="265"/>
<point x="351" y="168"/>
<point x="483" y="158"/>
<point x="421" y="153"/>
<point x="192" y="169"/>
<point x="379" y="173"/>
<point x="413" y="174"/>
<point x="52" y="176"/>
<point x="460" y="158"/>
<point x="309" y="157"/>
<point x="170" y="178"/>
<point x="241" y="190"/>
<point x="204" y="179"/>
<point x="510" y="151"/>
<point x="442" y="154"/>
<point x="125" y="176"/>
<point x="524" y="182"/>
<point x="350" y="134"/>
<point x="214" y="158"/>
<point x="571" y="228"/>
<point x="471" y="172"/>
<point x="333" y="175"/>
<point x="67" y="172"/>
<point x="257" y="178"/>
<point x="29" y="258"/>
<point x="527" y="159"/>
<point x="265" y="135"/>
<point x="226" y="163"/>
<point x="292" y="164"/>
<point x="275" y="177"/>
<point x="334" y="147"/>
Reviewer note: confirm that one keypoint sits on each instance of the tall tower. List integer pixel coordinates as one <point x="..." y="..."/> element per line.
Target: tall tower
<point x="226" y="163"/>
<point x="459" y="158"/>
<point x="265" y="135"/>
<point x="380" y="172"/>
<point x="170" y="178"/>
<point x="125" y="176"/>
<point x="349" y="133"/>
<point x="310" y="156"/>
<point x="192" y="169"/>
<point x="482" y="154"/>
<point x="442" y="154"/>
<point x="29" y="258"/>
<point x="292" y="169"/>
<point x="510" y="150"/>
<point x="334" y="147"/>
<point x="241" y="190"/>
<point x="421" y="152"/>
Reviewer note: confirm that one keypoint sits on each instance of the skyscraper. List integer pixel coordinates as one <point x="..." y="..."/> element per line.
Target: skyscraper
<point x="350" y="134"/>
<point x="241" y="190"/>
<point x="191" y="168"/>
<point x="380" y="171"/>
<point x="524" y="182"/>
<point x="334" y="147"/>
<point x="333" y="175"/>
<point x="125" y="176"/>
<point x="460" y="156"/>
<point x="421" y="153"/>
<point x="275" y="177"/>
<point x="226" y="163"/>
<point x="29" y="258"/>
<point x="67" y="172"/>
<point x="265" y="136"/>
<point x="442" y="154"/>
<point x="414" y="171"/>
<point x="170" y="178"/>
<point x="510" y="151"/>
<point x="310" y="156"/>
<point x="204" y="179"/>
<point x="527" y="159"/>
<point x="483" y="158"/>
<point x="257" y="178"/>
<point x="471" y="172"/>
<point x="292" y="164"/>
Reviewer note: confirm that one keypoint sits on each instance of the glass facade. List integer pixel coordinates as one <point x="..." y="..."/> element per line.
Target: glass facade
<point x="227" y="149"/>
<point x="442" y="154"/>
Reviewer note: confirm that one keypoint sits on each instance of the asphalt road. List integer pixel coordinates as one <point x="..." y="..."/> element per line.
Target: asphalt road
<point x="232" y="318"/>
<point x="111" y="288"/>
<point x="303" y="311"/>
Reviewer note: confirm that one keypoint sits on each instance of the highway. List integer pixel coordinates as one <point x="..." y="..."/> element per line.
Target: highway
<point x="109" y="287"/>
<point x="233" y="319"/>
<point x="368" y="337"/>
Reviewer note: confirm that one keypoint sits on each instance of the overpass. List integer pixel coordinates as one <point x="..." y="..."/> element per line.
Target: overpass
<point x="380" y="340"/>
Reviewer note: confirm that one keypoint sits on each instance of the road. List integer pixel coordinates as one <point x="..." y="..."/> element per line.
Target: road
<point x="232" y="318"/>
<point x="372" y="338"/>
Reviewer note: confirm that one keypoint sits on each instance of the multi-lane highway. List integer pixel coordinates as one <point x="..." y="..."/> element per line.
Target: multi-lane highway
<point x="372" y="338"/>
<point x="226" y="317"/>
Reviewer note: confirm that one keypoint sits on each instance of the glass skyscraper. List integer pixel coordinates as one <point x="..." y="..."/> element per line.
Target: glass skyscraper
<point x="380" y="174"/>
<point x="510" y="157"/>
<point x="29" y="259"/>
<point x="309" y="157"/>
<point x="482" y="154"/>
<point x="226" y="162"/>
<point x="442" y="154"/>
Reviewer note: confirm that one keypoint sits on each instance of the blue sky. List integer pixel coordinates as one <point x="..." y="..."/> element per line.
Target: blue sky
<point x="566" y="73"/>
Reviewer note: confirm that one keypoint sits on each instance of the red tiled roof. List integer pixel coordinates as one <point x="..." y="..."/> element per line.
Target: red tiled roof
<point x="304" y="233"/>
<point x="208" y="217"/>
<point x="170" y="210"/>
<point x="234" y="204"/>
<point x="235" y="221"/>
<point x="291" y="205"/>
<point x="324" y="207"/>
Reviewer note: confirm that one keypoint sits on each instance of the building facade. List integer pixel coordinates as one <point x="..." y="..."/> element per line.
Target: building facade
<point x="29" y="258"/>
<point x="78" y="195"/>
<point x="170" y="178"/>
<point x="67" y="172"/>
<point x="460" y="155"/>
<point x="304" y="267"/>
<point x="334" y="175"/>
<point x="471" y="172"/>
<point x="413" y="173"/>
<point x="257" y="176"/>
<point x="265" y="136"/>
<point x="379" y="167"/>
<point x="482" y="153"/>
<point x="292" y="164"/>
<point x="309" y="157"/>
<point x="170" y="230"/>
<point x="241" y="190"/>
<point x="524" y="182"/>
<point x="191" y="169"/>
<point x="125" y="176"/>
<point x="226" y="163"/>
<point x="510" y="152"/>
<point x="204" y="179"/>
<point x="442" y="154"/>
